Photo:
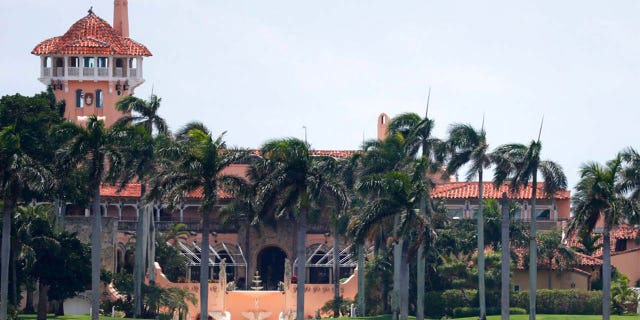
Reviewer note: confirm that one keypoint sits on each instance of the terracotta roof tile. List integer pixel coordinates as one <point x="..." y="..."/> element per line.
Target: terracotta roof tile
<point x="134" y="190"/>
<point x="624" y="231"/>
<point x="465" y="190"/>
<point x="91" y="35"/>
<point x="341" y="154"/>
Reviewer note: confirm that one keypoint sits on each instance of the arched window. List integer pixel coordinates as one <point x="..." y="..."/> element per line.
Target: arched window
<point x="99" y="98"/>
<point x="79" y="103"/>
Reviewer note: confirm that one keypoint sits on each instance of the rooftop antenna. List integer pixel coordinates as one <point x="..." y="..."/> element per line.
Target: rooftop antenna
<point x="540" y="132"/>
<point x="428" y="98"/>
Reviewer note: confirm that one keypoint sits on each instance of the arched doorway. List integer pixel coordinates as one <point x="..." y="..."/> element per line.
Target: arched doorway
<point x="271" y="267"/>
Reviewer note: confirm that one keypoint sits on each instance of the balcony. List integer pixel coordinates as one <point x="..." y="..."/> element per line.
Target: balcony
<point x="102" y="71"/>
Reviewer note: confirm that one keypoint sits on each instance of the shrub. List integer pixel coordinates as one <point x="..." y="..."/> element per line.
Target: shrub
<point x="463" y="312"/>
<point x="561" y="301"/>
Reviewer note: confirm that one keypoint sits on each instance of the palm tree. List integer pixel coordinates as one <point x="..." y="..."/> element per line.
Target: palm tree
<point x="18" y="171"/>
<point x="148" y="118"/>
<point x="521" y="163"/>
<point x="195" y="161"/>
<point x="553" y="251"/>
<point x="380" y="157"/>
<point x="92" y="147"/>
<point x="600" y="195"/>
<point x="469" y="146"/>
<point x="631" y="173"/>
<point x="398" y="195"/>
<point x="418" y="137"/>
<point x="293" y="183"/>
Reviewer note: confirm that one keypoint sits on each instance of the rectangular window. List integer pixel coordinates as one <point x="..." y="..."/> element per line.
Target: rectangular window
<point x="74" y="62"/>
<point x="88" y="62"/>
<point x="454" y="213"/>
<point x="543" y="214"/>
<point x="99" y="98"/>
<point x="516" y="288"/>
<point x="79" y="96"/>
<point x="102" y="62"/>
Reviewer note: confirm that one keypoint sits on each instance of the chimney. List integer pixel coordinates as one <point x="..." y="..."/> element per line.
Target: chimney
<point x="383" y="125"/>
<point x="121" y="17"/>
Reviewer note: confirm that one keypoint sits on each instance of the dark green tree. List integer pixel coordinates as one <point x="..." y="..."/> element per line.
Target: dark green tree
<point x="293" y="185"/>
<point x="195" y="161"/>
<point x="522" y="163"/>
<point x="600" y="194"/>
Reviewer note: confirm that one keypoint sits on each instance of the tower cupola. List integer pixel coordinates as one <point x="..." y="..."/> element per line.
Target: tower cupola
<point x="93" y="65"/>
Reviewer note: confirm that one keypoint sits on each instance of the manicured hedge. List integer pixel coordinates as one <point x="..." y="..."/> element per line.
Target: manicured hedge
<point x="561" y="301"/>
<point x="471" y="312"/>
<point x="445" y="303"/>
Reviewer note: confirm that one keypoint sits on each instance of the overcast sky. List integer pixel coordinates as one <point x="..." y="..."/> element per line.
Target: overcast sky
<point x="264" y="69"/>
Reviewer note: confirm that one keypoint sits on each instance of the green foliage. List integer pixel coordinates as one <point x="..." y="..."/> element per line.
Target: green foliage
<point x="561" y="301"/>
<point x="623" y="298"/>
<point x="462" y="312"/>
<point x="343" y="305"/>
<point x="174" y="265"/>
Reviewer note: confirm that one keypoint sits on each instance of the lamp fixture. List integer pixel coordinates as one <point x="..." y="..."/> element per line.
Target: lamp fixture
<point x="215" y="237"/>
<point x="326" y="237"/>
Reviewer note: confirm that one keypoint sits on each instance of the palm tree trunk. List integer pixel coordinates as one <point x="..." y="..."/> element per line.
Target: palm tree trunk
<point x="336" y="271"/>
<point x="152" y="246"/>
<point x="204" y="267"/>
<point x="606" y="274"/>
<point x="96" y="253"/>
<point x="420" y="270"/>
<point x="404" y="283"/>
<point x="549" y="276"/>
<point x="301" y="255"/>
<point x="29" y="304"/>
<point x="139" y="265"/>
<point x="361" y="300"/>
<point x="397" y="261"/>
<point x="533" y="249"/>
<point x="8" y="208"/>
<point x="481" y="286"/>
<point x="505" y="267"/>
<point x="43" y="301"/>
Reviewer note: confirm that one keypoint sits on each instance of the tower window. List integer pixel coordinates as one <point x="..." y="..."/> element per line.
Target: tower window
<point x="99" y="98"/>
<point x="88" y="62"/>
<point x="102" y="62"/>
<point x="79" y="102"/>
<point x="74" y="62"/>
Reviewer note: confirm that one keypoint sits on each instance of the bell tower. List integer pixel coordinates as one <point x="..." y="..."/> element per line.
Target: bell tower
<point x="93" y="65"/>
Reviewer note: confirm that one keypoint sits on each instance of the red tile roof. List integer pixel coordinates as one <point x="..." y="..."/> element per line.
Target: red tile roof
<point x="466" y="190"/>
<point x="624" y="231"/>
<point x="341" y="154"/>
<point x="91" y="35"/>
<point x="134" y="190"/>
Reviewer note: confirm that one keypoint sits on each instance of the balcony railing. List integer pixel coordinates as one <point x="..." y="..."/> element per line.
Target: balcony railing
<point x="103" y="72"/>
<point x="73" y="71"/>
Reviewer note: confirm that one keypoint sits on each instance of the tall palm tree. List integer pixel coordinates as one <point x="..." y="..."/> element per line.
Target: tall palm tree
<point x="195" y="161"/>
<point x="398" y="195"/>
<point x="600" y="195"/>
<point x="146" y="116"/>
<point x="381" y="157"/>
<point x="293" y="184"/>
<point x="418" y="138"/>
<point x="522" y="163"/>
<point x="18" y="171"/>
<point x="102" y="153"/>
<point x="469" y="146"/>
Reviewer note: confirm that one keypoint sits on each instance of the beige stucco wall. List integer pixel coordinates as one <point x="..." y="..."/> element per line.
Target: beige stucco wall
<point x="628" y="263"/>
<point x="559" y="280"/>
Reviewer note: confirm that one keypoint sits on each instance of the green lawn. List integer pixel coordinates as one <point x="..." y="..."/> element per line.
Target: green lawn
<point x="557" y="317"/>
<point x="387" y="317"/>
